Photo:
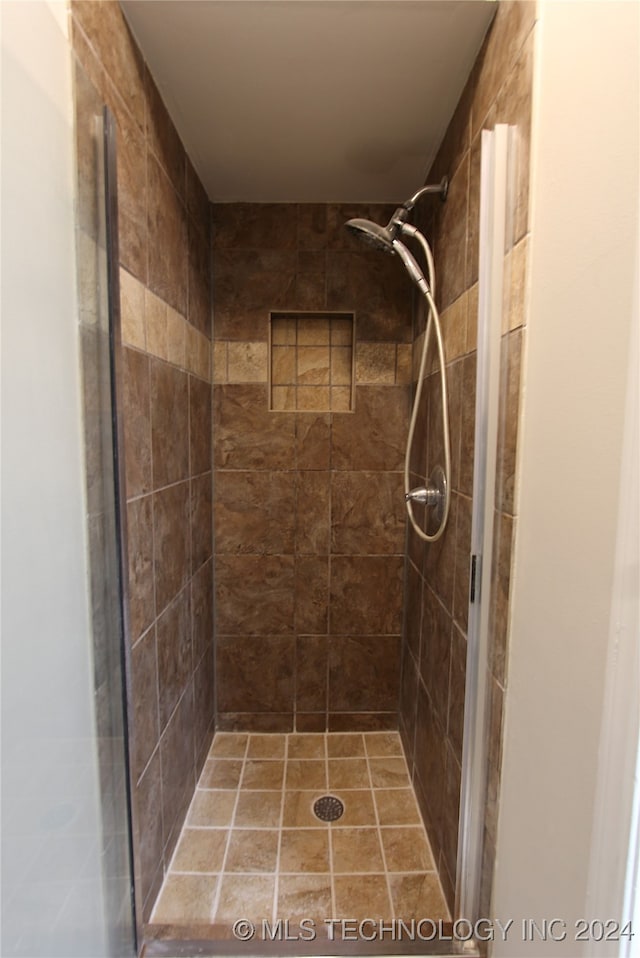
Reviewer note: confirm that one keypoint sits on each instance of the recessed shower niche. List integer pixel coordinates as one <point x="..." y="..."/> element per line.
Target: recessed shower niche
<point x="311" y="362"/>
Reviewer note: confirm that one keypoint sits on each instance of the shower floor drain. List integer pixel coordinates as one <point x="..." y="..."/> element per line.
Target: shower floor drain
<point x="328" y="808"/>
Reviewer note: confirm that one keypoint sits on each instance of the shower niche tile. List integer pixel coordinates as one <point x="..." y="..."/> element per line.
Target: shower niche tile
<point x="311" y="362"/>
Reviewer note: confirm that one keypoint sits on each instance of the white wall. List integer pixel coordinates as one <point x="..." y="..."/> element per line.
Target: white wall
<point x="51" y="878"/>
<point x="583" y="250"/>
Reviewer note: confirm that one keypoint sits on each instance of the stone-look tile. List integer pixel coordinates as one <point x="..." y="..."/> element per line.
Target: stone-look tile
<point x="248" y="895"/>
<point x="396" y="807"/>
<point x="248" y="284"/>
<point x="262" y="722"/>
<point x="168" y="251"/>
<point x="132" y="310"/>
<point x="404" y="360"/>
<point x="374" y="436"/>
<point x="359" y="809"/>
<point x="389" y="772"/>
<point x="176" y="338"/>
<point x="174" y="654"/>
<point x="163" y="139"/>
<point x="500" y="586"/>
<point x="409" y="675"/>
<point x="364" y="673"/>
<point x="221" y="773"/>
<point x="169" y="424"/>
<point x="454" y="329"/>
<point x="252" y="850"/>
<point x="200" y="850"/>
<point x="311" y="721"/>
<point x="178" y="772"/>
<point x="467" y="425"/>
<point x="144" y="695"/>
<point x="254" y="226"/>
<point x="435" y="653"/>
<point x="376" y="363"/>
<point x="202" y="610"/>
<point x="298" y="808"/>
<point x="347" y="745"/>
<point x="311" y="594"/>
<point x="312" y="364"/>
<point x="430" y="762"/>
<point x="366" y="595"/>
<point x="304" y="850"/>
<point x="463" y="556"/>
<point x="199" y="426"/>
<point x="255" y="512"/>
<point x="356" y="850"/>
<point x="220" y="370"/>
<point x="313" y="441"/>
<point x="229" y="745"/>
<point x="510" y="363"/>
<point x="140" y="572"/>
<point x="494" y="760"/>
<point x="212" y="809"/>
<point x="204" y="706"/>
<point x="455" y="722"/>
<point x="258" y="810"/>
<point x="283" y="398"/>
<point x="516" y="287"/>
<point x="472" y="319"/>
<point x="451" y="809"/>
<point x="313" y="398"/>
<point x="248" y="436"/>
<point x="201" y="539"/>
<point x="171" y="542"/>
<point x="247" y="362"/>
<point x="412" y="624"/>
<point x="377" y="286"/>
<point x="304" y="896"/>
<point x="406" y="850"/>
<point x="199" y="279"/>
<point x="186" y="898"/>
<point x="267" y="746"/>
<point x="197" y="353"/>
<point x="263" y="774"/>
<point x="313" y="331"/>
<point x="307" y="746"/>
<point x="419" y="897"/>
<point x="137" y="422"/>
<point x="440" y="558"/>
<point x="155" y="310"/>
<point x="255" y="673"/>
<point x="361" y="897"/>
<point x="312" y="226"/>
<point x="311" y="673"/>
<point x="362" y="721"/>
<point x="305" y="773"/>
<point x="312" y="515"/>
<point x="254" y="595"/>
<point x="451" y="245"/>
<point x="367" y="513"/>
<point x="283" y="365"/>
<point x="148" y="822"/>
<point x="348" y="773"/>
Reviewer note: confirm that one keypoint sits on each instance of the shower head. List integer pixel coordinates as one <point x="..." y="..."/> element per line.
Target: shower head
<point x="379" y="237"/>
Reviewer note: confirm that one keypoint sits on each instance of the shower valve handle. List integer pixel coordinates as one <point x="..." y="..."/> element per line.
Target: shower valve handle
<point x="425" y="495"/>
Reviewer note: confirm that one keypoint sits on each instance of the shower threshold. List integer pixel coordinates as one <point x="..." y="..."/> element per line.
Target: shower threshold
<point x="256" y="872"/>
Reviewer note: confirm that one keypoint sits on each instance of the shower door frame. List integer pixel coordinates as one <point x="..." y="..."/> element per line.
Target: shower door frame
<point x="496" y="193"/>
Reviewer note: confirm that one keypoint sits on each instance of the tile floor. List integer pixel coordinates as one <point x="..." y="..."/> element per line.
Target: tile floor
<point x="252" y="848"/>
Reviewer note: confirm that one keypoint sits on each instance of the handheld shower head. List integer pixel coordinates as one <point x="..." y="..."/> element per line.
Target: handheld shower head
<point x="379" y="237"/>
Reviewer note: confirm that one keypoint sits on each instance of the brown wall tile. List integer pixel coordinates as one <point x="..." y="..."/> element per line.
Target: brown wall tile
<point x="255" y="512"/>
<point x="364" y="673"/>
<point x="137" y="422"/>
<point x="140" y="573"/>
<point x="366" y="595"/>
<point x="169" y="423"/>
<point x="256" y="670"/>
<point x="201" y="519"/>
<point x="254" y="595"/>
<point x="367" y="513"/>
<point x="174" y="654"/>
<point x="248" y="436"/>
<point x="168" y="227"/>
<point x="172" y="561"/>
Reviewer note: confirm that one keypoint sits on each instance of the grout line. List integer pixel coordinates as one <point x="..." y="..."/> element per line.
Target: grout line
<point x="276" y="884"/>
<point x="329" y="829"/>
<point x="380" y="842"/>
<point x="216" y="900"/>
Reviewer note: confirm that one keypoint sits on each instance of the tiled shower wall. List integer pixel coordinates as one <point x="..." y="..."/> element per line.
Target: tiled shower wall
<point x="164" y="240"/>
<point x="308" y="509"/>
<point x="435" y="630"/>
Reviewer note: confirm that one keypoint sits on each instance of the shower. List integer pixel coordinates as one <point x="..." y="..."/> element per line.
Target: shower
<point x="437" y="492"/>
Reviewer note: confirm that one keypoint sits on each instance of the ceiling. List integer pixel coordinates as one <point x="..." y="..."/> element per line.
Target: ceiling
<point x="310" y="100"/>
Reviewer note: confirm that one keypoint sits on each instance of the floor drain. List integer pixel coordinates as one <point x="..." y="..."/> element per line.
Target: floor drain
<point x="328" y="808"/>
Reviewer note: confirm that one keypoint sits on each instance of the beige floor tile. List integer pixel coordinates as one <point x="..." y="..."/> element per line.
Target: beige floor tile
<point x="309" y="745"/>
<point x="306" y="773"/>
<point x="262" y="774"/>
<point x="358" y="808"/>
<point x="362" y="896"/>
<point x="348" y="773"/>
<point x="252" y="850"/>
<point x="382" y="744"/>
<point x="304" y="850"/>
<point x="298" y="809"/>
<point x="356" y="850"/>
<point x="245" y="896"/>
<point x="213" y="808"/>
<point x="229" y="745"/>
<point x="267" y="746"/>
<point x="304" y="896"/>
<point x="389" y="773"/>
<point x="200" y="850"/>
<point x="396" y="806"/>
<point x="345" y="745"/>
<point x="258" y="809"/>
<point x="418" y="896"/>
<point x="406" y="850"/>
<point x="221" y="773"/>
<point x="186" y="898"/>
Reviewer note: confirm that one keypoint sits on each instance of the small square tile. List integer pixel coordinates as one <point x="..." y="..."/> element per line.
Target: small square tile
<point x="356" y="850"/>
<point x="283" y="365"/>
<point x="381" y="744"/>
<point x="389" y="773"/>
<point x="313" y="331"/>
<point x="186" y="898"/>
<point x="283" y="330"/>
<point x="306" y="746"/>
<point x="376" y="363"/>
<point x="212" y="808"/>
<point x="267" y="746"/>
<point x="341" y="366"/>
<point x="283" y="398"/>
<point x="341" y="331"/>
<point x="396" y="806"/>
<point x="406" y="850"/>
<point x="245" y="896"/>
<point x="229" y="745"/>
<point x="358" y="808"/>
<point x="298" y="809"/>
<point x="348" y="773"/>
<point x="252" y="850"/>
<point x="341" y="400"/>
<point x="312" y="398"/>
<point x="263" y="774"/>
<point x="258" y="809"/>
<point x="305" y="773"/>
<point x="345" y="745"/>
<point x="418" y="896"/>
<point x="200" y="850"/>
<point x="313" y="365"/>
<point x="304" y="850"/>
<point x="247" y="362"/>
<point x="221" y="773"/>
<point x="304" y="896"/>
<point x="362" y="896"/>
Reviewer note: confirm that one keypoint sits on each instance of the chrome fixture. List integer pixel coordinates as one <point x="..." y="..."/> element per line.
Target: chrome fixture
<point x="437" y="493"/>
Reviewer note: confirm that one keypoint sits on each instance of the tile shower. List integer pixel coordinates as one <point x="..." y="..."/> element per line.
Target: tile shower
<point x="281" y="424"/>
